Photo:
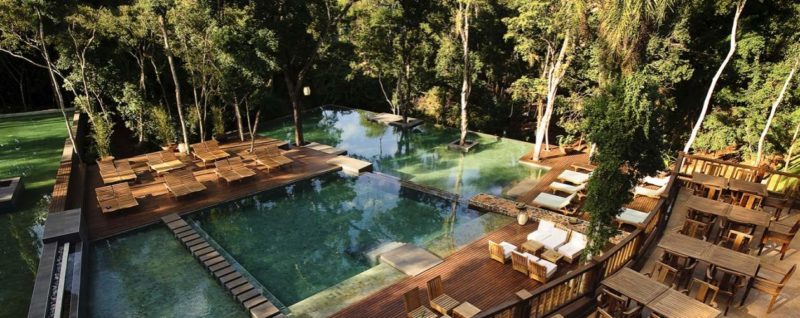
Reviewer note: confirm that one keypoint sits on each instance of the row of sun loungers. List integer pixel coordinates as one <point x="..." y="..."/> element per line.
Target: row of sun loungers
<point x="115" y="197"/>
<point x="113" y="172"/>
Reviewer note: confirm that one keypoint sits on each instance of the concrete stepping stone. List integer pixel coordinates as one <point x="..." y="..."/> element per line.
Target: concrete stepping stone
<point x="410" y="259"/>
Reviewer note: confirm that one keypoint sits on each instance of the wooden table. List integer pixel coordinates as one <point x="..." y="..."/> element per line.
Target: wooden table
<point x="552" y="256"/>
<point x="708" y="206"/>
<point x="674" y="304"/>
<point x="685" y="245"/>
<point x="465" y="310"/>
<point x="532" y="246"/>
<point x="747" y="186"/>
<point x="708" y="180"/>
<point x="749" y="216"/>
<point x="635" y="285"/>
<point x="736" y="261"/>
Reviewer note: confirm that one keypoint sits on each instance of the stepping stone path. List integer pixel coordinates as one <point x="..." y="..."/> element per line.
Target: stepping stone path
<point x="228" y="276"/>
<point x="326" y="149"/>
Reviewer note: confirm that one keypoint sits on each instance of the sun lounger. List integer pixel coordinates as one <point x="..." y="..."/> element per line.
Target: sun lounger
<point x="232" y="169"/>
<point x="163" y="161"/>
<point x="542" y="232"/>
<point x="554" y="202"/>
<point x="567" y="188"/>
<point x="271" y="157"/>
<point x="113" y="172"/>
<point x="573" y="177"/>
<point x="501" y="252"/>
<point x="556" y="238"/>
<point x="182" y="182"/>
<point x="115" y="197"/>
<point x="649" y="192"/>
<point x="573" y="248"/>
<point x="208" y="151"/>
<point x="631" y="216"/>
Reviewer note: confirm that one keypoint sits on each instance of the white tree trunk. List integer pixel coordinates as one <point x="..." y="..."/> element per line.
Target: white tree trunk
<point x="772" y="114"/>
<point x="707" y="101"/>
<point x="556" y="73"/>
<point x="791" y="147"/>
<point x="177" y="83"/>
<point x="466" y="86"/>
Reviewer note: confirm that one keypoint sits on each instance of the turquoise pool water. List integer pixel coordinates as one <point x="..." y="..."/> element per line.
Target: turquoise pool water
<point x="149" y="274"/>
<point x="419" y="155"/>
<point x="309" y="236"/>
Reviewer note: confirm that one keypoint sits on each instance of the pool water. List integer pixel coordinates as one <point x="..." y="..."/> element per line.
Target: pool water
<point x="30" y="147"/>
<point x="149" y="274"/>
<point x="420" y="154"/>
<point x="304" y="238"/>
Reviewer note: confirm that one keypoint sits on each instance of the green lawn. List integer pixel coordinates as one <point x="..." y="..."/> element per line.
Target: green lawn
<point x="29" y="147"/>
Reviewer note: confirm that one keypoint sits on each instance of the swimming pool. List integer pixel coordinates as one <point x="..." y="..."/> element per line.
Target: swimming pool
<point x="304" y="238"/>
<point x="420" y="154"/>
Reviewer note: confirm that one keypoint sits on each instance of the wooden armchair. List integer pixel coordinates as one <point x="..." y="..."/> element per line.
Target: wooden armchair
<point x="519" y="262"/>
<point x="703" y="292"/>
<point x="779" y="234"/>
<point x="737" y="241"/>
<point x="748" y="200"/>
<point x="701" y="216"/>
<point x="696" y="229"/>
<point x="664" y="274"/>
<point x="610" y="304"/>
<point x="440" y="301"/>
<point x="728" y="282"/>
<point x="765" y="282"/>
<point x="726" y="226"/>
<point x="413" y="306"/>
<point x="501" y="252"/>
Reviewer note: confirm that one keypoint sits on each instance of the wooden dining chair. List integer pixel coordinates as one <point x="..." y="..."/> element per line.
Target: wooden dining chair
<point x="413" y="306"/>
<point x="737" y="241"/>
<point x="744" y="174"/>
<point x="703" y="292"/>
<point x="440" y="301"/>
<point x="609" y="304"/>
<point x="781" y="234"/>
<point x="701" y="216"/>
<point x="728" y="282"/>
<point x="748" y="200"/>
<point x="711" y="192"/>
<point x="770" y="286"/>
<point x="695" y="229"/>
<point x="726" y="226"/>
<point x="664" y="274"/>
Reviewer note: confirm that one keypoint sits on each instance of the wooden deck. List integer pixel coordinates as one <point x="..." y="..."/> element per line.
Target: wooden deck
<point x="155" y="201"/>
<point x="468" y="275"/>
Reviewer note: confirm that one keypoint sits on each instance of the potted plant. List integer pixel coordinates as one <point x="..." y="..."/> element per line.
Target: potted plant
<point x="162" y="128"/>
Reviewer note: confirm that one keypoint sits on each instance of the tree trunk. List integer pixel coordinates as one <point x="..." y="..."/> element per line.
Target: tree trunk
<point x="466" y="85"/>
<point x="294" y="96"/>
<point x="238" y="114"/>
<point x="56" y="88"/>
<point x="791" y="147"/>
<point x="772" y="114"/>
<point x="707" y="101"/>
<point x="168" y="52"/>
<point x="556" y="73"/>
<point x="143" y="90"/>
<point x="386" y="96"/>
<point x="200" y="119"/>
<point x="253" y="130"/>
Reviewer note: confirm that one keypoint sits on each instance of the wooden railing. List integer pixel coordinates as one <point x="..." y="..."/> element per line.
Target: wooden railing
<point x="778" y="182"/>
<point x="584" y="281"/>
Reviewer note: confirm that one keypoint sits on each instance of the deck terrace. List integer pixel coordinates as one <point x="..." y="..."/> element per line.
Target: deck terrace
<point x="155" y="201"/>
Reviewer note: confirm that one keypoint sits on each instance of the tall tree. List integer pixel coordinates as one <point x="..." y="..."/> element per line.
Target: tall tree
<point x="172" y="68"/>
<point x="465" y="8"/>
<point x="707" y="101"/>
<point x="775" y="108"/>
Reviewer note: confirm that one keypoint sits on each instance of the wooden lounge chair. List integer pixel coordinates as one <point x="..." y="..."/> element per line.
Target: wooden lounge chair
<point x="413" y="306"/>
<point x="163" y="161"/>
<point x="232" y="169"/>
<point x="567" y="188"/>
<point x="115" y="197"/>
<point x="555" y="203"/>
<point x="271" y="158"/>
<point x="556" y="238"/>
<point x="113" y="172"/>
<point x="574" y="247"/>
<point x="632" y="217"/>
<point x="771" y="280"/>
<point x="541" y="232"/>
<point x="574" y="177"/>
<point x="208" y="151"/>
<point x="501" y="252"/>
<point x="440" y="301"/>
<point x="645" y="190"/>
<point x="182" y="182"/>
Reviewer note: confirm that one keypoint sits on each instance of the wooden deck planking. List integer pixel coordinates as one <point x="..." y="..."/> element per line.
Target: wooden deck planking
<point x="557" y="165"/>
<point x="468" y="275"/>
<point x="155" y="201"/>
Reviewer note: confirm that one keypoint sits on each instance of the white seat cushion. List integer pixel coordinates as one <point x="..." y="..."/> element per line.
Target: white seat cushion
<point x="530" y="256"/>
<point x="542" y="232"/>
<point x="567" y="188"/>
<point x="573" y="177"/>
<point x="551" y="268"/>
<point x="557" y="238"/>
<point x="552" y="201"/>
<point x="507" y="248"/>
<point x="653" y="193"/>
<point x="660" y="182"/>
<point x="632" y="216"/>
<point x="575" y="246"/>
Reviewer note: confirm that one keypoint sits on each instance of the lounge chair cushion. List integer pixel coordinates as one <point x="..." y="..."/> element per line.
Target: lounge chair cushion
<point x="542" y="232"/>
<point x="567" y="188"/>
<point x="557" y="238"/>
<point x="660" y="182"/>
<point x="575" y="246"/>
<point x="632" y="216"/>
<point x="574" y="177"/>
<point x="507" y="248"/>
<point x="530" y="256"/>
<point x="653" y="193"/>
<point x="551" y="268"/>
<point x="552" y="201"/>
